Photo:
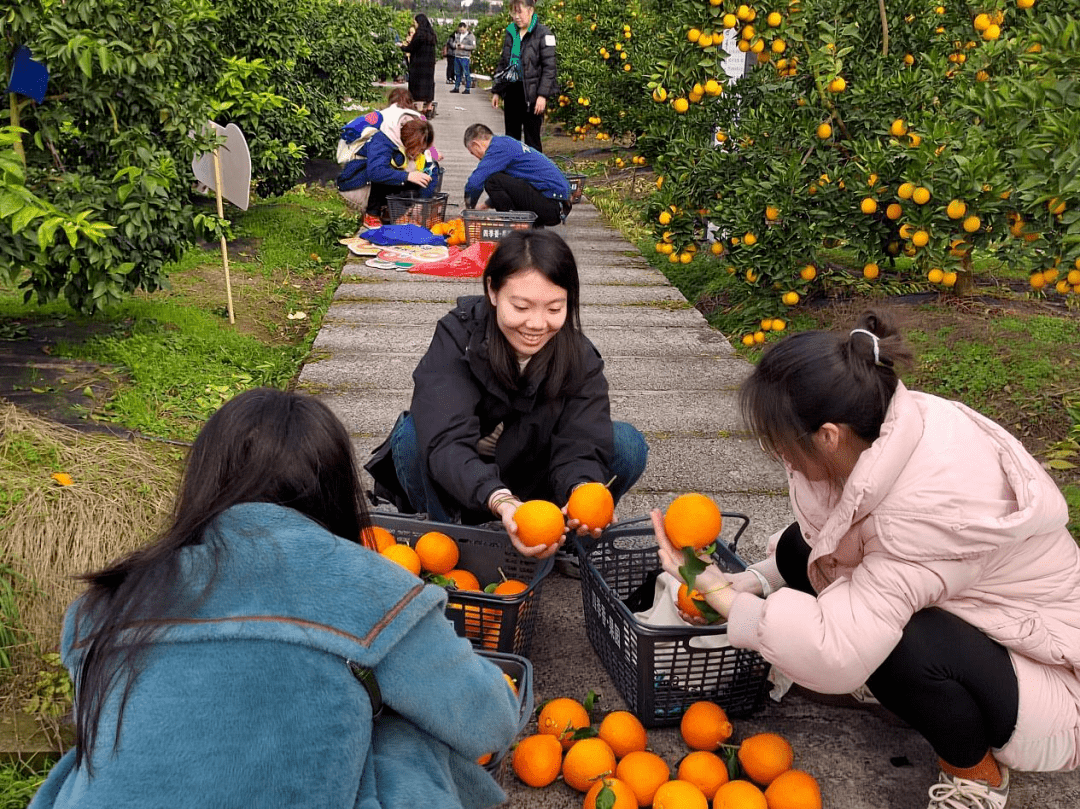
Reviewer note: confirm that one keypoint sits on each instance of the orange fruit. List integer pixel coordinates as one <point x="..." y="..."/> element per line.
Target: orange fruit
<point x="679" y="795"/>
<point x="794" y="789"/>
<point x="643" y="772"/>
<point x="510" y="682"/>
<point x="537" y="760"/>
<point x="705" y="770"/>
<point x="686" y="603"/>
<point x="692" y="521"/>
<point x="376" y="538"/>
<point x="586" y="761"/>
<point x="404" y="556"/>
<point x="487" y="757"/>
<point x="764" y="756"/>
<point x="438" y="552"/>
<point x="623" y="732"/>
<point x="622" y="796"/>
<point x="539" y="522"/>
<point x="561" y="718"/>
<point x="705" y="726"/>
<point x="463" y="579"/>
<point x="591" y="504"/>
<point x="739" y="794"/>
<point x="510" y="587"/>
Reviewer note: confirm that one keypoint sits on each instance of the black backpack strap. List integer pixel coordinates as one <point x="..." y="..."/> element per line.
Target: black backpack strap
<point x="366" y="678"/>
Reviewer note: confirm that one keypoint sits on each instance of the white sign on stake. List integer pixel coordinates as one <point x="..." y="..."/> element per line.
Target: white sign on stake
<point x="227" y="171"/>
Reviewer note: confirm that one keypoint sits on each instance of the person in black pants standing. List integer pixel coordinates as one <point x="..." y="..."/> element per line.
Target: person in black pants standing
<point x="525" y="75"/>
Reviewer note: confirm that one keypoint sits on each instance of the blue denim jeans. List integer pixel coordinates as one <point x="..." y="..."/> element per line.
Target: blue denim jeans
<point x="627" y="464"/>
<point x="462" y="69"/>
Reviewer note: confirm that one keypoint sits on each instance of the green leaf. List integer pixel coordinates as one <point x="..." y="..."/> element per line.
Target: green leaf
<point x="605" y="798"/>
<point x="730" y="755"/>
<point x="9" y="203"/>
<point x="691" y="567"/>
<point x="47" y="231"/>
<point x="590" y="700"/>
<point x="23" y="217"/>
<point x="710" y="615"/>
<point x="86" y="62"/>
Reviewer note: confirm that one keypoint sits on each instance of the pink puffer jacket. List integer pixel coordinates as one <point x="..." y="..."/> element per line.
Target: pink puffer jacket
<point x="944" y="509"/>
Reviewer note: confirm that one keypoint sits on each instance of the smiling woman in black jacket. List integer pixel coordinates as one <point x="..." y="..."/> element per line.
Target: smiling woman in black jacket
<point x="510" y="402"/>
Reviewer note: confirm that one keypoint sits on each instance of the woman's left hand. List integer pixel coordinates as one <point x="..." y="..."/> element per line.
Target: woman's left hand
<point x="540" y="106"/>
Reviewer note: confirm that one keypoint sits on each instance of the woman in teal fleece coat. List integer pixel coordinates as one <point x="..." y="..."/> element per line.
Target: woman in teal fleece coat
<point x="225" y="664"/>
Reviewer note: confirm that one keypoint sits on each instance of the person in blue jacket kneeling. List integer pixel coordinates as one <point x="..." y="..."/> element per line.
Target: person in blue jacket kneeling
<point x="241" y="659"/>
<point x="386" y="167"/>
<point x="515" y="177"/>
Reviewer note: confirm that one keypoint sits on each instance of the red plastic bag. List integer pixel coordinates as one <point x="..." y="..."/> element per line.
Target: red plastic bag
<point x="463" y="262"/>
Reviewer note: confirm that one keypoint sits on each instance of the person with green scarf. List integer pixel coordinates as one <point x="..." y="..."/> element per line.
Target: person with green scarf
<point x="525" y="76"/>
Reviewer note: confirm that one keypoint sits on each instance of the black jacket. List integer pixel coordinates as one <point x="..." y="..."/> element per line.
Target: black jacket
<point x="538" y="72"/>
<point x="547" y="445"/>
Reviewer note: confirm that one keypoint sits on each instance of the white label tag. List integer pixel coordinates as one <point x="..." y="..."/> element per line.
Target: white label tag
<point x="549" y="40"/>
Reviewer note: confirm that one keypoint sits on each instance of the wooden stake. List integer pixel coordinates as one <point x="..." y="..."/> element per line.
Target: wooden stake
<point x="14" y="107"/>
<point x="224" y="245"/>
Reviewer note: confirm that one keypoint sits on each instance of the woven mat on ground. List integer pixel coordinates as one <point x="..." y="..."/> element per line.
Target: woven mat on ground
<point x="463" y="262"/>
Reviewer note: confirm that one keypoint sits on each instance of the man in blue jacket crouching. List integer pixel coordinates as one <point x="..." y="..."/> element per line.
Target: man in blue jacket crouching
<point x="515" y="177"/>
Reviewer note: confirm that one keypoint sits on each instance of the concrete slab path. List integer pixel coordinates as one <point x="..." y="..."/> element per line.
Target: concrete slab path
<point x="675" y="378"/>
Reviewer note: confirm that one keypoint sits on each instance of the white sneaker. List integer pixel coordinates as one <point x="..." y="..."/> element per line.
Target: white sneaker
<point x="952" y="792"/>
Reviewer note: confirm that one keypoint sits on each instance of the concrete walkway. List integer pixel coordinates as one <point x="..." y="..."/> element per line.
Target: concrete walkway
<point x="675" y="378"/>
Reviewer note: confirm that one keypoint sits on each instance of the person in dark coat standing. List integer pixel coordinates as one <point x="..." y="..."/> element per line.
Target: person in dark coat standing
<point x="448" y="54"/>
<point x="510" y="402"/>
<point x="421" y="50"/>
<point x="529" y="54"/>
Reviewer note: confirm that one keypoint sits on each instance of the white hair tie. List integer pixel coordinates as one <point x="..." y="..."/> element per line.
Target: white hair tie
<point x="877" y="343"/>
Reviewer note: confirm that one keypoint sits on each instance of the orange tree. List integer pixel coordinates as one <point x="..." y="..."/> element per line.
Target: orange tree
<point x="606" y="52"/>
<point x="923" y="128"/>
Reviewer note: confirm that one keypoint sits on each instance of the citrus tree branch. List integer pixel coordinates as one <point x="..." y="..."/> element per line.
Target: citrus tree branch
<point x="884" y="28"/>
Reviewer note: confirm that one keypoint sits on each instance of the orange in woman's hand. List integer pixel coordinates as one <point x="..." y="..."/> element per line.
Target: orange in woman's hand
<point x="686" y="598"/>
<point x="539" y="522"/>
<point x="692" y="521"/>
<point x="591" y="504"/>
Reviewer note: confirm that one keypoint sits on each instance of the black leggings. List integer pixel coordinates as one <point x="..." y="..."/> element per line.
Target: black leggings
<point x="518" y="118"/>
<point x="945" y="678"/>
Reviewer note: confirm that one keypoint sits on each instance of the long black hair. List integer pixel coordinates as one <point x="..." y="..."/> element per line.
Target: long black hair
<point x="815" y="377"/>
<point x="558" y="362"/>
<point x="263" y="446"/>
<point x="424" y="30"/>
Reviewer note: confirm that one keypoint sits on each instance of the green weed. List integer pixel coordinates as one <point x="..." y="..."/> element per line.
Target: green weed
<point x="182" y="365"/>
<point x="18" y="784"/>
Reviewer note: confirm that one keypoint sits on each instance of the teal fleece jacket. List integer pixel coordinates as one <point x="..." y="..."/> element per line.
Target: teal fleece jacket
<point x="249" y="702"/>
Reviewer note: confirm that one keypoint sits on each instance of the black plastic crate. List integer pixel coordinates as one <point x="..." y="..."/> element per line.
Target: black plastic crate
<point x="659" y="671"/>
<point x="520" y="669"/>
<point x="499" y="623"/>
<point x="423" y="211"/>
<point x="490" y="226"/>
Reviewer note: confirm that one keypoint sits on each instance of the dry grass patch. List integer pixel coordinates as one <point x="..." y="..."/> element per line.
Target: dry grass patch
<point x="120" y="495"/>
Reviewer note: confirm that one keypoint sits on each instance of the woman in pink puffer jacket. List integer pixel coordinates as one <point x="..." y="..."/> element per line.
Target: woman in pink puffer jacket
<point x="929" y="560"/>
